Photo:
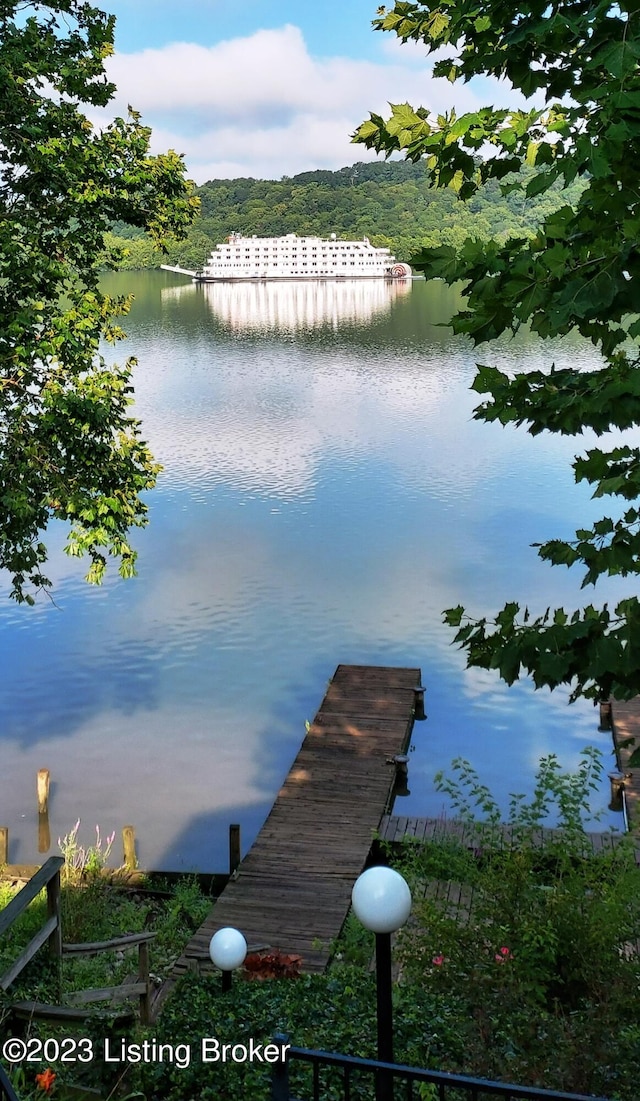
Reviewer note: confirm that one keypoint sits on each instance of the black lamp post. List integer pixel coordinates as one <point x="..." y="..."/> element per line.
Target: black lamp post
<point x="382" y="902"/>
<point x="227" y="949"/>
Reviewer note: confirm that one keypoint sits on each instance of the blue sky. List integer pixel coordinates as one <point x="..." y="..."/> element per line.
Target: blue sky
<point x="268" y="88"/>
<point x="329" y="26"/>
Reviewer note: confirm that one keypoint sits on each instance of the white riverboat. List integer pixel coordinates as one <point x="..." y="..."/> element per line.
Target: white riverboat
<point x="241" y="258"/>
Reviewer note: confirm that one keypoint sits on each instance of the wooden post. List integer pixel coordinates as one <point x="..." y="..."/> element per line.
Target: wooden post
<point x="129" y="846"/>
<point x="605" y="715"/>
<point x="55" y="939"/>
<point x="143" y="976"/>
<point x="43" y="790"/>
<point x="234" y="848"/>
<point x="4" y="845"/>
<point x="418" y="703"/>
<point x="617" y="779"/>
<point x="44" y="833"/>
<point x="401" y="780"/>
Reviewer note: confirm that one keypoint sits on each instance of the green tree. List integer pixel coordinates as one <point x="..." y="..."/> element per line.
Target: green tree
<point x="69" y="448"/>
<point x="580" y="270"/>
<point x="393" y="199"/>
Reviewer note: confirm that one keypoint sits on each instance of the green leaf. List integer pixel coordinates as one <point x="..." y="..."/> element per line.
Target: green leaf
<point x="453" y="616"/>
<point x="70" y="450"/>
<point x="574" y="271"/>
<point x="541" y="182"/>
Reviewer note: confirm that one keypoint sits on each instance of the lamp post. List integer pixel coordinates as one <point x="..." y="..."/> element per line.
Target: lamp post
<point x="381" y="900"/>
<point x="227" y="949"/>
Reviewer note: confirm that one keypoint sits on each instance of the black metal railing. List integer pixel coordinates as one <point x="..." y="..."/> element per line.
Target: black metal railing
<point x="405" y="1081"/>
<point x="7" y="1092"/>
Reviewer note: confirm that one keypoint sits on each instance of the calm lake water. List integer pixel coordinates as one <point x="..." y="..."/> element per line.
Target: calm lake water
<point x="325" y="495"/>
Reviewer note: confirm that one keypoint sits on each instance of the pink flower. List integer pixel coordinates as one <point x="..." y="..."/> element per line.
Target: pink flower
<point x="503" y="955"/>
<point x="438" y="961"/>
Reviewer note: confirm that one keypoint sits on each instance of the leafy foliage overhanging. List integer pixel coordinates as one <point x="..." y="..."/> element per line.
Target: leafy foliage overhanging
<point x="69" y="448"/>
<point x="580" y="271"/>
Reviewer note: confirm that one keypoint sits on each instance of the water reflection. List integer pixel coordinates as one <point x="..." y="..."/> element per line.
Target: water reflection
<point x="296" y="305"/>
<point x="326" y="493"/>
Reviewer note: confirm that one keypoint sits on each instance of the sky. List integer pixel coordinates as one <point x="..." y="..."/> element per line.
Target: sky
<point x="268" y="88"/>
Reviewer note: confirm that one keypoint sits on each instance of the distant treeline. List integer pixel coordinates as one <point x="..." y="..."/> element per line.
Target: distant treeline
<point x="389" y="202"/>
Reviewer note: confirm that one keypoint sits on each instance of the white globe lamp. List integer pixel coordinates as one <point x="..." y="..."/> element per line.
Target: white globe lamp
<point x="227" y="949"/>
<point x="381" y="900"/>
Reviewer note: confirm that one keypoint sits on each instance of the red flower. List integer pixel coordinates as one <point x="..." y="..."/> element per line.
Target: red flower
<point x="46" y="1079"/>
<point x="503" y="955"/>
<point x="438" y="960"/>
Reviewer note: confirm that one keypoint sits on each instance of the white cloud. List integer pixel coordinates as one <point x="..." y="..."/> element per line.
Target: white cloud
<point x="263" y="106"/>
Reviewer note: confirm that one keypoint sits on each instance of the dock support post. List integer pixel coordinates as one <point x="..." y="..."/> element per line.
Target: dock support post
<point x="129" y="847"/>
<point x="605" y="715"/>
<point x="616" y="779"/>
<point x="418" y="702"/>
<point x="44" y="833"/>
<point x="401" y="781"/>
<point x="234" y="848"/>
<point x="4" y="845"/>
<point x="44" y="777"/>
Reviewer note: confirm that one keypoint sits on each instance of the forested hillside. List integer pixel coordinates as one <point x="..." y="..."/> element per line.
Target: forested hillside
<point x="389" y="202"/>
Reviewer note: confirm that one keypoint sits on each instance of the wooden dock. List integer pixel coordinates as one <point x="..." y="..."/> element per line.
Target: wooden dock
<point x="293" y="889"/>
<point x="625" y="721"/>
<point x="473" y="835"/>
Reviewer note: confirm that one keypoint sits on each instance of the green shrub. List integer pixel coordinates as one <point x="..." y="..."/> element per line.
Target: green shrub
<point x="332" y="1012"/>
<point x="541" y="957"/>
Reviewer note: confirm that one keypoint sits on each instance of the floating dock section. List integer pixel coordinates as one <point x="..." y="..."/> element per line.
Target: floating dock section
<point x="293" y="889"/>
<point x="624" y="717"/>
<point x="475" y="835"/>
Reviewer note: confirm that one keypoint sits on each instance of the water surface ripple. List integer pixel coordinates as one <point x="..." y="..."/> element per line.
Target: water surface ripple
<point x="326" y="493"/>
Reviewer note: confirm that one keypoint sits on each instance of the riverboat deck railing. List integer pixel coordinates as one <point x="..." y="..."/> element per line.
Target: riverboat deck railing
<point x="356" y="1072"/>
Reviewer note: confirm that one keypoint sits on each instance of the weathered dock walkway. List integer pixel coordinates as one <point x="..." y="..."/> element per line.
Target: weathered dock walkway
<point x="625" y="720"/>
<point x="293" y="889"/>
<point x="394" y="829"/>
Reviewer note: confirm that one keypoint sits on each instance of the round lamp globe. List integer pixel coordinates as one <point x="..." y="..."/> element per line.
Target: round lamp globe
<point x="381" y="899"/>
<point x="228" y="949"/>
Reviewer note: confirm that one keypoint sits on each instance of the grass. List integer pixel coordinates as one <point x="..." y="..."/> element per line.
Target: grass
<point x="96" y="910"/>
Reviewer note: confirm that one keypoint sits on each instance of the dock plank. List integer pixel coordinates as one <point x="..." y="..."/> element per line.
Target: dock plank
<point x="625" y="716"/>
<point x="293" y="888"/>
<point x="394" y="829"/>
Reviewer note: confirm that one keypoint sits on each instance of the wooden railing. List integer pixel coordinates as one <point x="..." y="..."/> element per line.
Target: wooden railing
<point x="50" y="933"/>
<point x="140" y="987"/>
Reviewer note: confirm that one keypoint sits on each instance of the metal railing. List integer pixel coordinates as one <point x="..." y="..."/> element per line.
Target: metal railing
<point x="404" y="1081"/>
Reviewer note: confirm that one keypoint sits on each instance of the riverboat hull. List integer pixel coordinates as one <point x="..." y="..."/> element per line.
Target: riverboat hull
<point x="200" y="277"/>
